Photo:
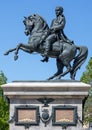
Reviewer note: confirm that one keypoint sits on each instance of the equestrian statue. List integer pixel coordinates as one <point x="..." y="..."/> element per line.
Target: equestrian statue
<point x="51" y="42"/>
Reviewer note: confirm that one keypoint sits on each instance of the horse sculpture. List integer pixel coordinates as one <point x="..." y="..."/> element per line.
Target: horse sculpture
<point x="66" y="55"/>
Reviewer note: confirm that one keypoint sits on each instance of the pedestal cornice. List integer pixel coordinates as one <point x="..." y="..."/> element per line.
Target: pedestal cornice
<point x="22" y="89"/>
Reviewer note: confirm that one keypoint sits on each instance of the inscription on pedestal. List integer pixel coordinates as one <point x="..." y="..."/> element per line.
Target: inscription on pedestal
<point x="26" y="115"/>
<point x="65" y="115"/>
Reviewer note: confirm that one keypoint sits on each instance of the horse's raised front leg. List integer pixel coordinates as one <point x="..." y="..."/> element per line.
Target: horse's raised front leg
<point x="10" y="50"/>
<point x="23" y="47"/>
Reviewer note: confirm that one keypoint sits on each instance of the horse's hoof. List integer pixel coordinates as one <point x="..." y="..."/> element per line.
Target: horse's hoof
<point x="6" y="53"/>
<point x="50" y="78"/>
<point x="15" y="57"/>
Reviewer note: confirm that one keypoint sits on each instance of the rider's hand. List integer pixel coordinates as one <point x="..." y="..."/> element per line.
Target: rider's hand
<point x="52" y="30"/>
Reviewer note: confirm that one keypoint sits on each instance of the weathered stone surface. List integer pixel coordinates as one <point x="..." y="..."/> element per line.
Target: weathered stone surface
<point x="63" y="93"/>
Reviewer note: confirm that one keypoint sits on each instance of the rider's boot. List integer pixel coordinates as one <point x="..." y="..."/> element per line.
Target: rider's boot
<point x="45" y="59"/>
<point x="47" y="49"/>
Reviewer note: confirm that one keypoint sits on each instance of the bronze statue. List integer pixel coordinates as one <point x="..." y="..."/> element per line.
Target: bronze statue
<point x="56" y="30"/>
<point x="61" y="48"/>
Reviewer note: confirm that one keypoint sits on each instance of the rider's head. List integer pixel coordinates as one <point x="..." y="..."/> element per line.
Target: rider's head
<point x="58" y="10"/>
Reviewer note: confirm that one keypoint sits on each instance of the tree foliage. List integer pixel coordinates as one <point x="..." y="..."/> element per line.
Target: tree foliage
<point x="87" y="75"/>
<point x="3" y="80"/>
<point x="4" y="107"/>
<point x="87" y="78"/>
<point x="4" y="114"/>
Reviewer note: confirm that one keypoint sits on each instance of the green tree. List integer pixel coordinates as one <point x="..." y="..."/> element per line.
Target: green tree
<point x="87" y="78"/>
<point x="3" y="80"/>
<point x="4" y="107"/>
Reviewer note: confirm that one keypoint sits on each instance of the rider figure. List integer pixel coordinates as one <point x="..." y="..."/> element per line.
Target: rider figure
<point x="56" y="30"/>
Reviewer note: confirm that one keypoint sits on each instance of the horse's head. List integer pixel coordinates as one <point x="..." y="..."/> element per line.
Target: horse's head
<point x="35" y="22"/>
<point x="29" y="24"/>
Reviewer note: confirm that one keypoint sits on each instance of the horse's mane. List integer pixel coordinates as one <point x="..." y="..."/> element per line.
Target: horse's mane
<point x="38" y="17"/>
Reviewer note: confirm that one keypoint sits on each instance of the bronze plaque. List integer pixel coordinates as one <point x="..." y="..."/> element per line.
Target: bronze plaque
<point x="64" y="115"/>
<point x="26" y="116"/>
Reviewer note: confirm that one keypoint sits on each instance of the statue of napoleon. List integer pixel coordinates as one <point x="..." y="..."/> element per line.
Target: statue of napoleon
<point x="56" y="31"/>
<point x="51" y="42"/>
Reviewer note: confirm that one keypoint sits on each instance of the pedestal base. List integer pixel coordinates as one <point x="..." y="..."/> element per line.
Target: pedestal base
<point x="46" y="105"/>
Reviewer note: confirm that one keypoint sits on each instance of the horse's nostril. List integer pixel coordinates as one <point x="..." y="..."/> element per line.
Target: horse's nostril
<point x="26" y="32"/>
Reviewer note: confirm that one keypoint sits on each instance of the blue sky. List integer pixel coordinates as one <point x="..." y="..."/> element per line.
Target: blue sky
<point x="78" y="28"/>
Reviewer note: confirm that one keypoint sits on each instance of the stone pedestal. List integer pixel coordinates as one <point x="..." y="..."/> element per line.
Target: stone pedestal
<point x="48" y="101"/>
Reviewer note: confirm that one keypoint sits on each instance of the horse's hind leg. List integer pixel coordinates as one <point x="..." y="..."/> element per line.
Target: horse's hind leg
<point x="68" y="66"/>
<point x="59" y="71"/>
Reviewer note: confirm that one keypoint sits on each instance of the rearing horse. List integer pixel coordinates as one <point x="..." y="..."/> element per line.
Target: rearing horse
<point x="63" y="52"/>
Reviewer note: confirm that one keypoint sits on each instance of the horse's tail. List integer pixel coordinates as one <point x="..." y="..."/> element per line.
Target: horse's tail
<point x="79" y="60"/>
